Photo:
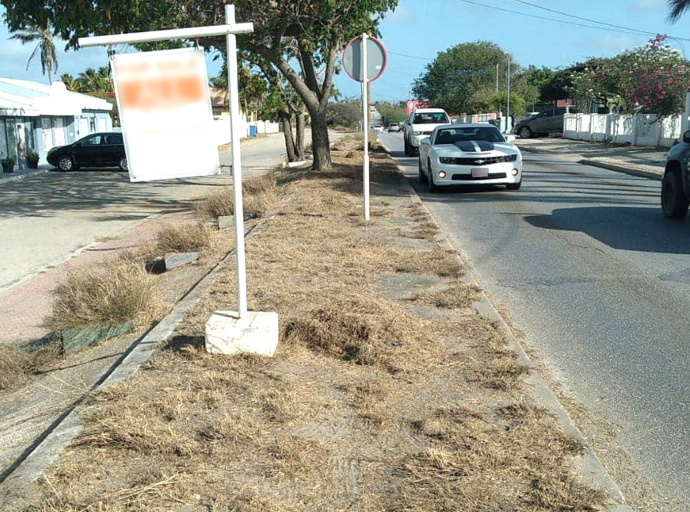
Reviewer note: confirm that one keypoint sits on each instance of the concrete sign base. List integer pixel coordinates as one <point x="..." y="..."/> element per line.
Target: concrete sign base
<point x="227" y="334"/>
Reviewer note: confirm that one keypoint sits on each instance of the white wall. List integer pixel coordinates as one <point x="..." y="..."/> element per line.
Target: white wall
<point x="221" y="128"/>
<point x="637" y="129"/>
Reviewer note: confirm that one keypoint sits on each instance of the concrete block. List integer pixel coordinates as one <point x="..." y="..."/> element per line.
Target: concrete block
<point x="170" y="261"/>
<point x="226" y="221"/>
<point x="174" y="260"/>
<point x="256" y="334"/>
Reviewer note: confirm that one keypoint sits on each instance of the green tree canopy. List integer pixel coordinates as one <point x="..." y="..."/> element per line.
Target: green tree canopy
<point x="455" y="76"/>
<point x="307" y="33"/>
<point x="650" y="79"/>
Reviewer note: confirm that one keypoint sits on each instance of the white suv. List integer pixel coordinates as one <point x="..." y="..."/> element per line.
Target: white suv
<point x="420" y="124"/>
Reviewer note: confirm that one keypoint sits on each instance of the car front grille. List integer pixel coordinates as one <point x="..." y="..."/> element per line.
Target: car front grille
<point x="468" y="177"/>
<point x="487" y="160"/>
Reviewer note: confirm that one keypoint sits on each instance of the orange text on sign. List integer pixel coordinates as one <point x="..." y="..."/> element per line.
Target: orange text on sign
<point x="161" y="93"/>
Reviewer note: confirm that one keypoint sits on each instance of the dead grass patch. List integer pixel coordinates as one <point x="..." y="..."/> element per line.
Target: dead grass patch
<point x="434" y="262"/>
<point x="363" y="407"/>
<point x="456" y="296"/>
<point x="111" y="293"/>
<point x="259" y="196"/>
<point x="185" y="238"/>
<point x="19" y="363"/>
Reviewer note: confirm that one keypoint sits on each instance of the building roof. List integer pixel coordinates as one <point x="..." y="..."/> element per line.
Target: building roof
<point x="30" y="99"/>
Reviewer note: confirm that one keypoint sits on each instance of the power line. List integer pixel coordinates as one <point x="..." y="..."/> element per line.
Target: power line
<point x="622" y="30"/>
<point x="645" y="32"/>
<point x="409" y="56"/>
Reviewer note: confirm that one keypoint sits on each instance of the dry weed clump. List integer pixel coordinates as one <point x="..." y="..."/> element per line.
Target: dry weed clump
<point x="259" y="196"/>
<point x="481" y="461"/>
<point x="14" y="366"/>
<point x="364" y="331"/>
<point x="434" y="262"/>
<point x="184" y="238"/>
<point x="112" y="293"/>
<point x="456" y="296"/>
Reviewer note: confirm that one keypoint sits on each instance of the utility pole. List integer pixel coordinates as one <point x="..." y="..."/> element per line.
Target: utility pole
<point x="508" y="102"/>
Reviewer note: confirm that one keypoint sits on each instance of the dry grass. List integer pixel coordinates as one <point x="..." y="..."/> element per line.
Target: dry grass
<point x="258" y="198"/>
<point x="456" y="296"/>
<point x="111" y="293"/>
<point x="184" y="238"/>
<point x="363" y="407"/>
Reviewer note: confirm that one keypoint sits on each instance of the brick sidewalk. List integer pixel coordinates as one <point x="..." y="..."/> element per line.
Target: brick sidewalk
<point x="24" y="307"/>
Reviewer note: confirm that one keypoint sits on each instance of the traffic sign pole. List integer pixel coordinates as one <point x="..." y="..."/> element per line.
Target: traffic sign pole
<point x="365" y="126"/>
<point x="365" y="67"/>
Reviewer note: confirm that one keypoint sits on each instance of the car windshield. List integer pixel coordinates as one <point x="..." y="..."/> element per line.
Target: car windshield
<point x="431" y="118"/>
<point x="462" y="134"/>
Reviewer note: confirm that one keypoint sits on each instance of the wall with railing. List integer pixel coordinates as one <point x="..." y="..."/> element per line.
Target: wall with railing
<point x="633" y="129"/>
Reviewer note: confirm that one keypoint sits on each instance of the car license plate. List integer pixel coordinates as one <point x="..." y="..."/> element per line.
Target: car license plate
<point x="480" y="172"/>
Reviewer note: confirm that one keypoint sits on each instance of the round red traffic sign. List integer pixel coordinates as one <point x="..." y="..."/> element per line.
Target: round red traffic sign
<point x="353" y="61"/>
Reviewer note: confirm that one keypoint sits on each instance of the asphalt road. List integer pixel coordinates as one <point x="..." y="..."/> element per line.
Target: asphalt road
<point x="49" y="217"/>
<point x="587" y="266"/>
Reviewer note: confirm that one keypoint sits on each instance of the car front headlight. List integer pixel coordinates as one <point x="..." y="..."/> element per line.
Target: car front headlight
<point x="511" y="158"/>
<point x="417" y="133"/>
<point x="445" y="160"/>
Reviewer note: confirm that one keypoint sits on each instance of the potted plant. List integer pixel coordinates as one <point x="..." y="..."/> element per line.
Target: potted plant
<point x="32" y="160"/>
<point x="7" y="164"/>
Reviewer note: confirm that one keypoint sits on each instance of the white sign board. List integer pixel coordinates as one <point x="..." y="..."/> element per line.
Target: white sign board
<point x="165" y="113"/>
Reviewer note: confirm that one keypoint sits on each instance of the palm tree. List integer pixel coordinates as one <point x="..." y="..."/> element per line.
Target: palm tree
<point x="93" y="80"/>
<point x="71" y="83"/>
<point x="678" y="7"/>
<point x="44" y="36"/>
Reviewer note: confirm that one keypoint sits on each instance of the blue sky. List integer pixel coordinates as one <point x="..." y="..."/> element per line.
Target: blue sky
<point x="419" y="29"/>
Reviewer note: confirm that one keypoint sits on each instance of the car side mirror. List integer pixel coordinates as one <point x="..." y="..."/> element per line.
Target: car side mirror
<point x="686" y="137"/>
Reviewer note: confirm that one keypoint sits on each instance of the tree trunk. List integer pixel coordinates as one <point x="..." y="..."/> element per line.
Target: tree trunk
<point x="289" y="141"/>
<point x="319" y="139"/>
<point x="299" y="142"/>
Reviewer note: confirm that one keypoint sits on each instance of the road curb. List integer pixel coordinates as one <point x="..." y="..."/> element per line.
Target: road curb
<point x="631" y="170"/>
<point x="641" y="173"/>
<point x="588" y="465"/>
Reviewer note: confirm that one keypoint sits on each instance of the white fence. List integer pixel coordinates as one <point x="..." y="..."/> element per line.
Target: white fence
<point x="221" y="128"/>
<point x="637" y="129"/>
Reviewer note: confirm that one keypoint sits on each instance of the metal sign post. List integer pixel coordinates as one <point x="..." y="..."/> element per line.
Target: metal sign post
<point x="230" y="30"/>
<point x="234" y="105"/>
<point x="364" y="60"/>
<point x="365" y="127"/>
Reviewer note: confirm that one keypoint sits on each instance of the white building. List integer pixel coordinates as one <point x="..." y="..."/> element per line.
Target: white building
<point x="40" y="117"/>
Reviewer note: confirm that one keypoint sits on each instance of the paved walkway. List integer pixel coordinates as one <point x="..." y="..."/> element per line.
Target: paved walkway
<point x="639" y="161"/>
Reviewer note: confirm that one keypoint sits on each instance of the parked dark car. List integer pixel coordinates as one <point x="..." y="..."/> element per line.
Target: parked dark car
<point x="105" y="149"/>
<point x="548" y="121"/>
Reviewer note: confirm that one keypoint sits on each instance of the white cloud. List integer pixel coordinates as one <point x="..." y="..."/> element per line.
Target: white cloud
<point x="650" y="5"/>
<point x="402" y="15"/>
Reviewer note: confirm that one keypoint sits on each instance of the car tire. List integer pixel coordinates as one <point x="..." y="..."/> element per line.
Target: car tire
<point x="122" y="163"/>
<point x="407" y="148"/>
<point x="514" y="186"/>
<point x="674" y="200"/>
<point x="66" y="163"/>
<point x="525" y="132"/>
<point x="432" y="186"/>
<point x="422" y="176"/>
